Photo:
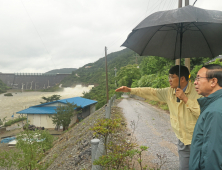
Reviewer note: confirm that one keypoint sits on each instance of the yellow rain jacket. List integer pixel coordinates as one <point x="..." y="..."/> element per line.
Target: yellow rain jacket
<point x="183" y="117"/>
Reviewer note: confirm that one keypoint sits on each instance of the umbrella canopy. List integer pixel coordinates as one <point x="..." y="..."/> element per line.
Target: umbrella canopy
<point x="181" y="33"/>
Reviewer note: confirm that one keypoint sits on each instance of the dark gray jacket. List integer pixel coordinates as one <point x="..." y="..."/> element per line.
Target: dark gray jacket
<point x="206" y="145"/>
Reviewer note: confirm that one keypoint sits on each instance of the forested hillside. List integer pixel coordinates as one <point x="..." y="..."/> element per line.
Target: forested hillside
<point x="62" y="70"/>
<point x="132" y="71"/>
<point x="94" y="73"/>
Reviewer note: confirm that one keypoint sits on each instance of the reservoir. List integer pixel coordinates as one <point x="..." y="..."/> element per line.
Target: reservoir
<point x="9" y="105"/>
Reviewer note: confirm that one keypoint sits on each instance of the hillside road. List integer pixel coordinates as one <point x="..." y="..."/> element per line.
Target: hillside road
<point x="153" y="129"/>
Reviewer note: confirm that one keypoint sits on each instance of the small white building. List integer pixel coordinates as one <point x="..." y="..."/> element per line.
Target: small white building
<point x="39" y="115"/>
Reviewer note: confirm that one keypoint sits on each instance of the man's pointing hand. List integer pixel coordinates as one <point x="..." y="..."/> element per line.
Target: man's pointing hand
<point x="123" y="89"/>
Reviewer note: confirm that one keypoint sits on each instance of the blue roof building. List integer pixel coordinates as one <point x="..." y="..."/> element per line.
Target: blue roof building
<point x="39" y="115"/>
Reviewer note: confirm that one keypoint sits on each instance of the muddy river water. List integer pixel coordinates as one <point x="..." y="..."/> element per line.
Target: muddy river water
<point x="9" y="105"/>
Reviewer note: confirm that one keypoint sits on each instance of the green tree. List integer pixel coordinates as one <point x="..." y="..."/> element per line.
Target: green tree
<point x="154" y="71"/>
<point x="198" y="61"/>
<point x="105" y="127"/>
<point x="127" y="75"/>
<point x="217" y="61"/>
<point x="51" y="98"/>
<point x="196" y="68"/>
<point x="193" y="73"/>
<point x="64" y="115"/>
<point x="155" y="65"/>
<point x="30" y="149"/>
<point x="152" y="80"/>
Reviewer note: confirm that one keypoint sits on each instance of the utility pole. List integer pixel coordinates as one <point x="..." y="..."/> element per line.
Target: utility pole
<point x="177" y="61"/>
<point x="107" y="90"/>
<point x="187" y="60"/>
<point x="115" y="74"/>
<point x="136" y="58"/>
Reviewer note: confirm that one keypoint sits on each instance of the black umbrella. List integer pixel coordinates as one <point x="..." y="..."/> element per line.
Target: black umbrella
<point x="181" y="33"/>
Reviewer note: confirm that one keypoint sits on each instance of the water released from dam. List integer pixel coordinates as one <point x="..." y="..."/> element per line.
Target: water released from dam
<point x="9" y="105"/>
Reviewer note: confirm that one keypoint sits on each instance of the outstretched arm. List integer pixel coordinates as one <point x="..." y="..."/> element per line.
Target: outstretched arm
<point x="146" y="92"/>
<point x="123" y="89"/>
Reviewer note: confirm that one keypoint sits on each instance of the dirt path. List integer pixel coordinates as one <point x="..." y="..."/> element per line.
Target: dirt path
<point x="153" y="130"/>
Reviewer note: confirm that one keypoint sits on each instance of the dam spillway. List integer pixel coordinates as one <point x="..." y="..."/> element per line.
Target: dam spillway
<point x="31" y="81"/>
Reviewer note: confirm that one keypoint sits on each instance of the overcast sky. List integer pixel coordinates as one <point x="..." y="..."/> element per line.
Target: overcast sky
<point x="40" y="35"/>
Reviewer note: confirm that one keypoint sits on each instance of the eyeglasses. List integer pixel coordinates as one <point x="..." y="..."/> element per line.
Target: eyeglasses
<point x="198" y="78"/>
<point x="170" y="78"/>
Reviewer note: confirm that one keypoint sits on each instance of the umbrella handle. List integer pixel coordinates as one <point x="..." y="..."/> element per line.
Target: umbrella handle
<point x="178" y="100"/>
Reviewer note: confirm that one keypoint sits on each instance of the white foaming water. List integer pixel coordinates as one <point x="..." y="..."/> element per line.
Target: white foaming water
<point x="76" y="91"/>
<point x="20" y="101"/>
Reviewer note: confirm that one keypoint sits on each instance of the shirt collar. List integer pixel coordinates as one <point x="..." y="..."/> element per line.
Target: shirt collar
<point x="185" y="89"/>
<point x="205" y="101"/>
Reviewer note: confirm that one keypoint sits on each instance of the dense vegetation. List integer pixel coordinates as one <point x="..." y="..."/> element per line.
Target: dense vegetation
<point x="132" y="71"/>
<point x="154" y="72"/>
<point x="30" y="148"/>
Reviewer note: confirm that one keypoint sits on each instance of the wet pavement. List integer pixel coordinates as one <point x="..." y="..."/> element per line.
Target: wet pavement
<point x="153" y="129"/>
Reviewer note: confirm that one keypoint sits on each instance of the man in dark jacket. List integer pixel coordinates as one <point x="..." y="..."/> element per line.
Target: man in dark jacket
<point x="206" y="145"/>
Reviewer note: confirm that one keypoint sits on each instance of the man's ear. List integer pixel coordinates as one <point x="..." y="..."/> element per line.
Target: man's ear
<point x="182" y="79"/>
<point x="213" y="82"/>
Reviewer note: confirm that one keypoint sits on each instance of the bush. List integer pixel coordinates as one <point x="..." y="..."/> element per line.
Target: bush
<point x="121" y="151"/>
<point x="8" y="94"/>
<point x="10" y="122"/>
<point x="31" y="147"/>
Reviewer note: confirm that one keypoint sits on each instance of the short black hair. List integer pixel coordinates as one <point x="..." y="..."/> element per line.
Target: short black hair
<point x="183" y="71"/>
<point x="212" y="66"/>
<point x="214" y="71"/>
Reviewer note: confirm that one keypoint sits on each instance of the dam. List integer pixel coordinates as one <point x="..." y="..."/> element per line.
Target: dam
<point x="31" y="81"/>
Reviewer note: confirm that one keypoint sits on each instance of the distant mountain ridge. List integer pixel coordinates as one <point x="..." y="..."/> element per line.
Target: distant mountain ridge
<point x="62" y="71"/>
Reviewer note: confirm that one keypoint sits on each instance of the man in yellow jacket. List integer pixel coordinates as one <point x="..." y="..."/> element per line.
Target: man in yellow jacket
<point x="183" y="114"/>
